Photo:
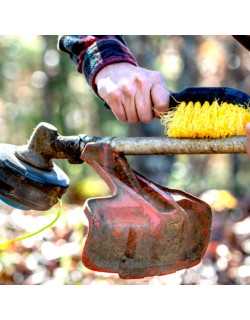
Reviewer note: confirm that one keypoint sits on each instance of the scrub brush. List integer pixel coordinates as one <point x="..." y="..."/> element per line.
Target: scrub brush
<point x="212" y="112"/>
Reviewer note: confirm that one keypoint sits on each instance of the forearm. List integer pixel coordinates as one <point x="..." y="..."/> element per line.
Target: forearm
<point x="93" y="53"/>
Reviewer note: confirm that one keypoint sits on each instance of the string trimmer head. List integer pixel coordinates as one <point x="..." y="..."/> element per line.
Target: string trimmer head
<point x="28" y="177"/>
<point x="26" y="187"/>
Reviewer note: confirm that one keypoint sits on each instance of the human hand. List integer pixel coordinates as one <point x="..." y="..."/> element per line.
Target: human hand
<point x="133" y="93"/>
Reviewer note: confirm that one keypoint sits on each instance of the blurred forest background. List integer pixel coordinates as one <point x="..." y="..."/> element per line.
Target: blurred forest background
<point x="38" y="83"/>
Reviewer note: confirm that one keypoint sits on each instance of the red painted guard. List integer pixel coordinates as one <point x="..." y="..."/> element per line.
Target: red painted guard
<point x="142" y="229"/>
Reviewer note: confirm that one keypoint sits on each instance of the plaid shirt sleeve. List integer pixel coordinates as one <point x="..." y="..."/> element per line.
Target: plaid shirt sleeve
<point x="92" y="53"/>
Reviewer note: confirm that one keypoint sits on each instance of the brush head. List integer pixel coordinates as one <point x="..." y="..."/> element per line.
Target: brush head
<point x="26" y="187"/>
<point x="207" y="112"/>
<point x="207" y="120"/>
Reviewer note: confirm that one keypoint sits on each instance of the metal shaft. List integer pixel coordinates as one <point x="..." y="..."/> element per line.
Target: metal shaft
<point x="165" y="145"/>
<point x="45" y="144"/>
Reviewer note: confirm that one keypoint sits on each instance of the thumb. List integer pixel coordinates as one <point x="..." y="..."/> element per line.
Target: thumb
<point x="160" y="98"/>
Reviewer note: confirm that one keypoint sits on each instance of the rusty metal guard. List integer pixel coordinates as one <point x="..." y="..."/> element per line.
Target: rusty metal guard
<point x="142" y="229"/>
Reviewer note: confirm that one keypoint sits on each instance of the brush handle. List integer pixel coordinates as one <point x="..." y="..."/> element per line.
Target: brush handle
<point x="210" y="94"/>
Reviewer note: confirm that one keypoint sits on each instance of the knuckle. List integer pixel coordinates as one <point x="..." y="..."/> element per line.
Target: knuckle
<point x="127" y="90"/>
<point x="140" y="79"/>
<point x="114" y="95"/>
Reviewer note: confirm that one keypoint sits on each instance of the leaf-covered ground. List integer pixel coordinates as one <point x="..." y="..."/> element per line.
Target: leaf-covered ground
<point x="55" y="255"/>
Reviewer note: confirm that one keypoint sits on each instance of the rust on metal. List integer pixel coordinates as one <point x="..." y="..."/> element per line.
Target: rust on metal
<point x="142" y="229"/>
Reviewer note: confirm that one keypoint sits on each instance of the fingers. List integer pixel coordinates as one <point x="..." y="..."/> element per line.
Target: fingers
<point x="120" y="98"/>
<point x="248" y="139"/>
<point x="128" y="98"/>
<point x="160" y="98"/>
<point x="134" y="94"/>
<point x="143" y="103"/>
<point x="119" y="112"/>
<point x="114" y="100"/>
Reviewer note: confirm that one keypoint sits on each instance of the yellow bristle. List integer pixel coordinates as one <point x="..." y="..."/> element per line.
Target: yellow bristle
<point x="216" y="120"/>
